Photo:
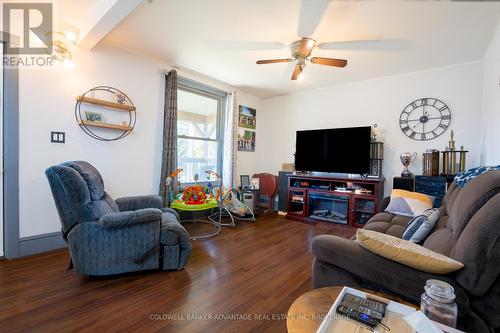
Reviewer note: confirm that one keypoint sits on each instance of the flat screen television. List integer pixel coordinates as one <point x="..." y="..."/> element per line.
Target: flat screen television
<point x="339" y="150"/>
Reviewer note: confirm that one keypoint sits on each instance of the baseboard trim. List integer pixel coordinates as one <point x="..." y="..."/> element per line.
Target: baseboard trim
<point x="41" y="243"/>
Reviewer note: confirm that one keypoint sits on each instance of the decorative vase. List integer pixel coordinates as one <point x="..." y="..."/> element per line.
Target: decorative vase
<point x="406" y="159"/>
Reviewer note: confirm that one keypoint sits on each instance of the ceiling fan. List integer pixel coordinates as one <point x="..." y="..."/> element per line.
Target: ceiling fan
<point x="301" y="52"/>
<point x="310" y="15"/>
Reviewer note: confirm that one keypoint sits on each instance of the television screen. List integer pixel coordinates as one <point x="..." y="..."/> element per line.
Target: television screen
<point x="342" y="150"/>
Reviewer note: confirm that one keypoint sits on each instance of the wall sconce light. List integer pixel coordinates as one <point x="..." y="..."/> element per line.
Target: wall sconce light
<point x="60" y="50"/>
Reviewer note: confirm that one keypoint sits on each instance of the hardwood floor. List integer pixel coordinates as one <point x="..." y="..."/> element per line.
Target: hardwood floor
<point x="253" y="271"/>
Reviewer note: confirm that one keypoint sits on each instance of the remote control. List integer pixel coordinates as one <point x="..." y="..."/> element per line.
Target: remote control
<point x="366" y="302"/>
<point x="363" y="310"/>
<point x="358" y="316"/>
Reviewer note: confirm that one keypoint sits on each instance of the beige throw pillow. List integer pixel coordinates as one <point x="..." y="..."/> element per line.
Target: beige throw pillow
<point x="406" y="252"/>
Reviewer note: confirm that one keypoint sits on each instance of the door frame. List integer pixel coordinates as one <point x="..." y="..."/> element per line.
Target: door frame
<point x="10" y="157"/>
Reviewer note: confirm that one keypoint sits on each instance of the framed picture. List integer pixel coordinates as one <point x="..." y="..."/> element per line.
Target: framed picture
<point x="247" y="117"/>
<point x="93" y="116"/>
<point x="246" y="140"/>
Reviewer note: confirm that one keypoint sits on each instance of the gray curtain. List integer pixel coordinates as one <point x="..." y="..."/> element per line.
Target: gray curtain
<point x="169" y="154"/>
<point x="230" y="142"/>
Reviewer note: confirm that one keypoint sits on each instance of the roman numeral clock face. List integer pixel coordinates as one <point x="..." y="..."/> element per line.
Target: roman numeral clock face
<point x="425" y="119"/>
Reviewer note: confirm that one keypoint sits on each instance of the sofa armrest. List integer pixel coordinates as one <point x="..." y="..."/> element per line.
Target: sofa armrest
<point x="123" y="219"/>
<point x="139" y="202"/>
<point x="390" y="275"/>
<point x="384" y="204"/>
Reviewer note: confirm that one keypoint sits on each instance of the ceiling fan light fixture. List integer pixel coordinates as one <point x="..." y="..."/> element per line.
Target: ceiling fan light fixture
<point x="302" y="48"/>
<point x="301" y="52"/>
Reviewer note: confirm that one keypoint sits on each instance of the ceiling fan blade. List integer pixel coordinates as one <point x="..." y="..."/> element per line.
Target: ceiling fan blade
<point x="329" y="61"/>
<point x="272" y="61"/>
<point x="311" y="13"/>
<point x="367" y="45"/>
<point x="306" y="46"/>
<point x="296" y="72"/>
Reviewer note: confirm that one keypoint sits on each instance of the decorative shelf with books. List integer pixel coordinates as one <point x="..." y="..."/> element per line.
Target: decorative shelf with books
<point x="104" y="125"/>
<point x="104" y="98"/>
<point x="107" y="104"/>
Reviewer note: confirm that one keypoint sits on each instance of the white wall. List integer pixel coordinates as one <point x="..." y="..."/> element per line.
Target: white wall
<point x="130" y="166"/>
<point x="377" y="101"/>
<point x="491" y="101"/>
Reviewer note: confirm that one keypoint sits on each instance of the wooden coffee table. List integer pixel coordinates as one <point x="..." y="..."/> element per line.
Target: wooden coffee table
<point x="308" y="311"/>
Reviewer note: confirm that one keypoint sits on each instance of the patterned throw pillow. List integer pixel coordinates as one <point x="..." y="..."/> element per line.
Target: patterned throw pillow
<point x="406" y="253"/>
<point x="421" y="226"/>
<point x="463" y="178"/>
<point x="408" y="203"/>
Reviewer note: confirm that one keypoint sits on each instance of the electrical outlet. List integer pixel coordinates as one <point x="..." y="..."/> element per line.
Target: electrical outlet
<point x="57" y="137"/>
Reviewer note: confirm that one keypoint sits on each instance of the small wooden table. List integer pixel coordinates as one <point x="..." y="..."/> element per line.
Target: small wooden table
<point x="308" y="311"/>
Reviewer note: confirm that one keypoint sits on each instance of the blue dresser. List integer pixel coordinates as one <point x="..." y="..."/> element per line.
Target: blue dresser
<point x="432" y="185"/>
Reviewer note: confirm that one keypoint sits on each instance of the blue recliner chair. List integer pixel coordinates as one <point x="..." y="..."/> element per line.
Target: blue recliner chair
<point x="108" y="237"/>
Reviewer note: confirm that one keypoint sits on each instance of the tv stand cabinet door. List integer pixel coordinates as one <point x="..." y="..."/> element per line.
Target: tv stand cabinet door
<point x="297" y="207"/>
<point x="362" y="208"/>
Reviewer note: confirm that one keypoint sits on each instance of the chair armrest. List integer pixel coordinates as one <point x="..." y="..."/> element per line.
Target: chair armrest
<point x="400" y="279"/>
<point x="139" y="202"/>
<point x="123" y="219"/>
<point x="171" y="211"/>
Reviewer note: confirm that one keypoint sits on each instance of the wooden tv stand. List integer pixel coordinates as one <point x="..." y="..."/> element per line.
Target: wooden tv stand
<point x="315" y="198"/>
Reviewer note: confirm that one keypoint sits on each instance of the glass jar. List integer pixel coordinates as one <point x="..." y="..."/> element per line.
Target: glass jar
<point x="437" y="303"/>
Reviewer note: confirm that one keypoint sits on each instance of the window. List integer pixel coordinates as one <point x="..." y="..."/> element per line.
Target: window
<point x="200" y="114"/>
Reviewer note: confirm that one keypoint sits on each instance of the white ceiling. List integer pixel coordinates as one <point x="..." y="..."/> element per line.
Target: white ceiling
<point x="77" y="14"/>
<point x="223" y="38"/>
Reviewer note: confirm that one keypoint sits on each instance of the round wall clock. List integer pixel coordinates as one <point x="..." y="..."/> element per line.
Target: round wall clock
<point x="425" y="119"/>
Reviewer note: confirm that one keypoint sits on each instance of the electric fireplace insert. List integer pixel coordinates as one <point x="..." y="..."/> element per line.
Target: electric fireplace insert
<point x="329" y="208"/>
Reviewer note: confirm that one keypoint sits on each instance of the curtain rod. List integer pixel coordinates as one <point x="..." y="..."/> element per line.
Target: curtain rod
<point x="167" y="70"/>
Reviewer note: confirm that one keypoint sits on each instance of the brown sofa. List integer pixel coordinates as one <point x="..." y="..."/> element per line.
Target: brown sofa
<point x="468" y="231"/>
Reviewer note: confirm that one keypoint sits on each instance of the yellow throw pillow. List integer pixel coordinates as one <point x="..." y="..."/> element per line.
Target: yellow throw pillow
<point x="408" y="203"/>
<point x="406" y="252"/>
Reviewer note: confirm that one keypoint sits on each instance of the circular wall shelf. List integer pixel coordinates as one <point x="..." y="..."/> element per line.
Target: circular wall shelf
<point x="89" y="126"/>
